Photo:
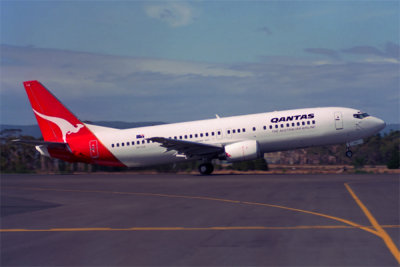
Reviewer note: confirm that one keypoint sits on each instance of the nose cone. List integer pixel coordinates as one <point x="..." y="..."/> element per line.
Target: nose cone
<point x="377" y="124"/>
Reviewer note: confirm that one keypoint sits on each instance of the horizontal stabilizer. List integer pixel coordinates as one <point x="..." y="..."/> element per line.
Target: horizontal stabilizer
<point x="55" y="145"/>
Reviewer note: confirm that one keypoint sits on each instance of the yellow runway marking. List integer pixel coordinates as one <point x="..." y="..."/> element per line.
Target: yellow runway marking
<point x="215" y="228"/>
<point x="356" y="225"/>
<point x="379" y="229"/>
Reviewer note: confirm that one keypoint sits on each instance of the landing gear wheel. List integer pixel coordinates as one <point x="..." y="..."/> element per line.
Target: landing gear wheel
<point x="206" y="168"/>
<point x="349" y="154"/>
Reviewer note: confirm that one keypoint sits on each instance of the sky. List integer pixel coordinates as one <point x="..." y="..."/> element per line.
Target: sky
<point x="176" y="61"/>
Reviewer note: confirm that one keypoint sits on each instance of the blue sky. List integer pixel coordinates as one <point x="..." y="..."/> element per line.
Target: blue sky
<point x="185" y="60"/>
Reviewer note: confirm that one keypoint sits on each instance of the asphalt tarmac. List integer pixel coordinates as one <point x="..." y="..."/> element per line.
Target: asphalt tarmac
<point x="190" y="220"/>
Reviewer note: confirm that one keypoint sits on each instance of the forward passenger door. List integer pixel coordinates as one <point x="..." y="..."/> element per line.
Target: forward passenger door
<point x="338" y="120"/>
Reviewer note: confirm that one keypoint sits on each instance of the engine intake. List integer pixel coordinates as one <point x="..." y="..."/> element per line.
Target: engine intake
<point x="245" y="150"/>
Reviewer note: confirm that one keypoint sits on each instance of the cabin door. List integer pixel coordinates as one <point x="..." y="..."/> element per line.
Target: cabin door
<point x="338" y="120"/>
<point x="94" y="150"/>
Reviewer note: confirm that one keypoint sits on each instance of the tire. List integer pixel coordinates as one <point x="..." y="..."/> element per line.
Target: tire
<point x="206" y="168"/>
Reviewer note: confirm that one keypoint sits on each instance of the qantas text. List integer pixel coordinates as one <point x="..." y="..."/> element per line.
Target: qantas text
<point x="293" y="118"/>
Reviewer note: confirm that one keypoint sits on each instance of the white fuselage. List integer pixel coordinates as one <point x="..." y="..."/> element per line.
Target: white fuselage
<point x="274" y="131"/>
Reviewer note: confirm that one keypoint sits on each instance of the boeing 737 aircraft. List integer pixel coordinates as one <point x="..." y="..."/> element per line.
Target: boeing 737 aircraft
<point x="232" y="139"/>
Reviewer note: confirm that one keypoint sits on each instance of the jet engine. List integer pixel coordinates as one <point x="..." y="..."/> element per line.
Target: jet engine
<point x="244" y="150"/>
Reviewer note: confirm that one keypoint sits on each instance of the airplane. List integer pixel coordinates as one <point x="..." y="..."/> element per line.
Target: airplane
<point x="233" y="139"/>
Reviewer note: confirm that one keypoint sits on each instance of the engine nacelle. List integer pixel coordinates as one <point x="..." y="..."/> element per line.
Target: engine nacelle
<point x="245" y="150"/>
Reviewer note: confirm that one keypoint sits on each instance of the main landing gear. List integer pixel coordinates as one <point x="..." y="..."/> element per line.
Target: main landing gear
<point x="206" y="168"/>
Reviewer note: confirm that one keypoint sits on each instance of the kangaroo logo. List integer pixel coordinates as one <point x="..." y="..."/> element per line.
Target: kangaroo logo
<point x="65" y="126"/>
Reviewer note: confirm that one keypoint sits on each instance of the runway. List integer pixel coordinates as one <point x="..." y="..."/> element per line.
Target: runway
<point x="189" y="220"/>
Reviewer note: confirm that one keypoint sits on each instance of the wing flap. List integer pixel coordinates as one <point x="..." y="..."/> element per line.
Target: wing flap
<point x="188" y="148"/>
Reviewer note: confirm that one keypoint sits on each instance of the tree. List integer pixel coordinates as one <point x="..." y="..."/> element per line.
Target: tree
<point x="394" y="159"/>
<point x="18" y="158"/>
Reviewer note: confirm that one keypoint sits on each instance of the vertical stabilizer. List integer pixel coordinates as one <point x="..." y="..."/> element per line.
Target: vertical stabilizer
<point x="56" y="122"/>
<point x="73" y="140"/>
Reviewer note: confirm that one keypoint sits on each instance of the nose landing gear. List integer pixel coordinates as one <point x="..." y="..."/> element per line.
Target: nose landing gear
<point x="349" y="153"/>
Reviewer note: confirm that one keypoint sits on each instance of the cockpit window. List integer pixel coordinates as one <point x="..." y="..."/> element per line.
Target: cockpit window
<point x="360" y="115"/>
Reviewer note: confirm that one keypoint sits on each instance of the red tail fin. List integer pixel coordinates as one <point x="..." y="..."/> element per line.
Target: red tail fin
<point x="58" y="124"/>
<point x="54" y="119"/>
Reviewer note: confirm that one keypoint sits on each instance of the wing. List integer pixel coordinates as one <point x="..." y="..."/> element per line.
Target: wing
<point x="187" y="148"/>
<point x="56" y="145"/>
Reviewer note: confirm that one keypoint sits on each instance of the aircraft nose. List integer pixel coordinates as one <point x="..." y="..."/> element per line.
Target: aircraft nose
<point x="371" y="125"/>
<point x="377" y="124"/>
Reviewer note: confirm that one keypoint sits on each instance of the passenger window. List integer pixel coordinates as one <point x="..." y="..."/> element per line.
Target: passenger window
<point x="298" y="124"/>
<point x="112" y="145"/>
<point x="143" y="142"/>
<point x="244" y="130"/>
<point x="303" y="123"/>
<point x="254" y="129"/>
<point x="133" y="143"/>
<point x="265" y="127"/>
<point x="270" y="127"/>
<point x="201" y="135"/>
<point x="190" y="136"/>
<point x="148" y="141"/>
<point x="287" y="125"/>
<point x="308" y="122"/>
<point x="313" y="122"/>
<point x="229" y="131"/>
<point x="122" y="144"/>
<point x="282" y="125"/>
<point x="293" y="124"/>
<point x="219" y="133"/>
<point x="196" y="135"/>
<point x="138" y="142"/>
<point x="185" y="136"/>
<point x="206" y="134"/>
<point x="180" y="137"/>
<point x="175" y="137"/>
<point x="117" y="144"/>
<point x="127" y="143"/>
<point x="234" y="131"/>
<point x="212" y="133"/>
<point x="276" y="126"/>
